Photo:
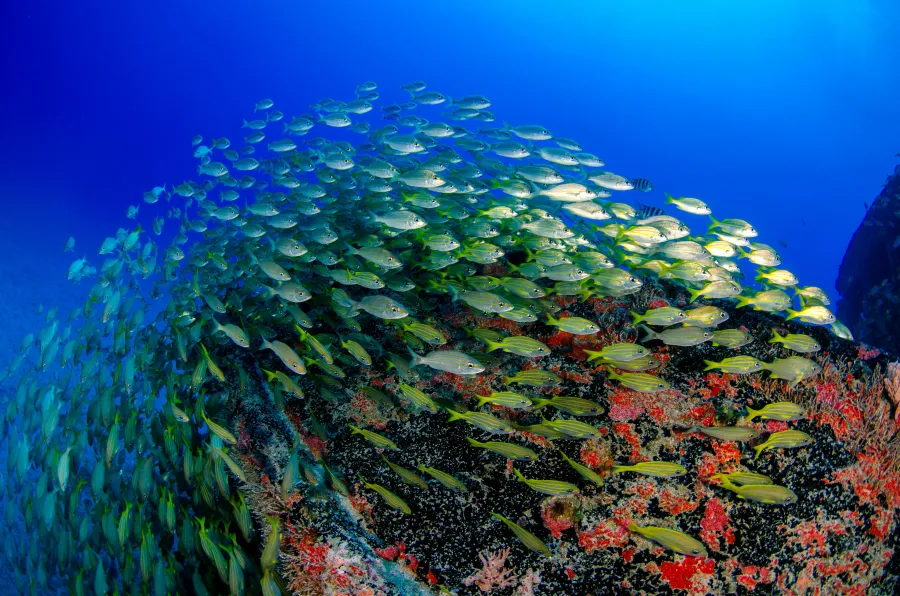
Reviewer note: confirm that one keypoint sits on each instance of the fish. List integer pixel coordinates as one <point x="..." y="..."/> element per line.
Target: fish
<point x="576" y="406"/>
<point x="659" y="469"/>
<point x="768" y="494"/>
<point x="619" y="352"/>
<point x="585" y="472"/>
<point x="659" y="316"/>
<point x="786" y="439"/>
<point x="508" y="450"/>
<point x="796" y="342"/>
<point x="782" y="410"/>
<point x="484" y="421"/>
<point x="390" y="498"/>
<point x="640" y="381"/>
<point x="451" y="361"/>
<point x="379" y="441"/>
<point x="738" y="365"/>
<point x="533" y="378"/>
<point x="727" y="433"/>
<point x="689" y="205"/>
<point x="573" y="325"/>
<point x="743" y="478"/>
<point x="531" y="541"/>
<point x="407" y="476"/>
<point x="444" y="478"/>
<point x="507" y="399"/>
<point x="418" y="397"/>
<point x="641" y="184"/>
<point x="574" y="429"/>
<point x="521" y="346"/>
<point x="673" y="540"/>
<point x="731" y="338"/>
<point x="547" y="487"/>
<point x="678" y="336"/>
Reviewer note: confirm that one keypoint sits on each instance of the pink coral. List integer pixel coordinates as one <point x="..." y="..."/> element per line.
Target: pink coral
<point x="492" y="574"/>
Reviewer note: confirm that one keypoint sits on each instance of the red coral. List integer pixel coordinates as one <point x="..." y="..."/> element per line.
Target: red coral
<point x="626" y="431"/>
<point x="607" y="534"/>
<point x="715" y="522"/>
<point x="680" y="576"/>
<point x="864" y="354"/>
<point x="675" y="503"/>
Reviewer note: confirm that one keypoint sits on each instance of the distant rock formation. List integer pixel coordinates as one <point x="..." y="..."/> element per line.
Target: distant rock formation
<point x="869" y="277"/>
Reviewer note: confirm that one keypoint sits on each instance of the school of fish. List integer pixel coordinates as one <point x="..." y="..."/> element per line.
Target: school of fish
<point x="320" y="246"/>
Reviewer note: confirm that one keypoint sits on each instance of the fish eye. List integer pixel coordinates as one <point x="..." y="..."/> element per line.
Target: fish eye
<point x="695" y="551"/>
<point x="470" y="365"/>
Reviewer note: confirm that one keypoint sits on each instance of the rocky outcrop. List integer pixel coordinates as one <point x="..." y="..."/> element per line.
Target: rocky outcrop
<point x="869" y="277"/>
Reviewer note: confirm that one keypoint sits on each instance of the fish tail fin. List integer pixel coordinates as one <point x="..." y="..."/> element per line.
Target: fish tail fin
<point x="669" y="198"/>
<point x="492" y="345"/>
<point x="482" y="399"/>
<point x="695" y="294"/>
<point x="743" y="301"/>
<point x="539" y="403"/>
<point x="519" y="475"/>
<point x="649" y="334"/>
<point x="777" y="337"/>
<point x="751" y="414"/>
<point x="633" y="527"/>
<point x="710" y="365"/>
<point x="791" y="314"/>
<point x="269" y="374"/>
<point x="758" y="449"/>
<point x="416" y="360"/>
<point x="454" y="294"/>
<point x="472" y="442"/>
<point x="635" y="318"/>
<point x="265" y="343"/>
<point x="619" y="469"/>
<point x="454" y="415"/>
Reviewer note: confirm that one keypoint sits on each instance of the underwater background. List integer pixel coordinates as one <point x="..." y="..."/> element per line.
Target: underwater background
<point x="783" y="114"/>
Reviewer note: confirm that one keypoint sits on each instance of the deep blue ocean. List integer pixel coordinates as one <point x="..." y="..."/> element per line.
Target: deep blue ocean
<point x="786" y="114"/>
<point x="783" y="114"/>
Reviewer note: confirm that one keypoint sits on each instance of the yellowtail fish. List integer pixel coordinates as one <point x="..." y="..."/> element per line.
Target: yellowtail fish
<point x="742" y="478"/>
<point x="378" y="440"/>
<point x="671" y="539"/>
<point x="418" y="397"/>
<point x="357" y="351"/>
<point x="640" y="382"/>
<point x="576" y="406"/>
<point x="390" y="498"/>
<point x="525" y="537"/>
<point x="620" y="352"/>
<point x="574" y="325"/>
<point x="548" y="487"/>
<point x="796" y="342"/>
<point x="666" y="315"/>
<point x="484" y="421"/>
<point x="782" y="410"/>
<point x="731" y="338"/>
<point x="678" y="336"/>
<point x="287" y="384"/>
<point x="786" y="439"/>
<point x="793" y="369"/>
<point x="767" y="494"/>
<point x="739" y="365"/>
<point x="533" y="378"/>
<point x="218" y="430"/>
<point x="505" y="398"/>
<point x="585" y="472"/>
<point x="815" y="315"/>
<point x="659" y="469"/>
<point x="215" y="370"/>
<point x="444" y="478"/>
<point x="769" y="301"/>
<point x="521" y="346"/>
<point x="234" y="333"/>
<point x="573" y="428"/>
<point x="727" y="433"/>
<point x="286" y="354"/>
<point x="509" y="450"/>
<point x="406" y="476"/>
<point x="424" y="332"/>
<point x="450" y="361"/>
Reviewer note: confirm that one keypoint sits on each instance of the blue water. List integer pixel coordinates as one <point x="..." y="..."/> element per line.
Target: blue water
<point x="784" y="114"/>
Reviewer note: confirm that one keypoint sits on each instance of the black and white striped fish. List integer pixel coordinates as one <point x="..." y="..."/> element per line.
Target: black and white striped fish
<point x="642" y="184"/>
<point x="645" y="211"/>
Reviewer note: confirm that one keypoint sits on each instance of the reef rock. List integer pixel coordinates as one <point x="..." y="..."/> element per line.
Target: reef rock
<point x="869" y="277"/>
<point x="340" y="537"/>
